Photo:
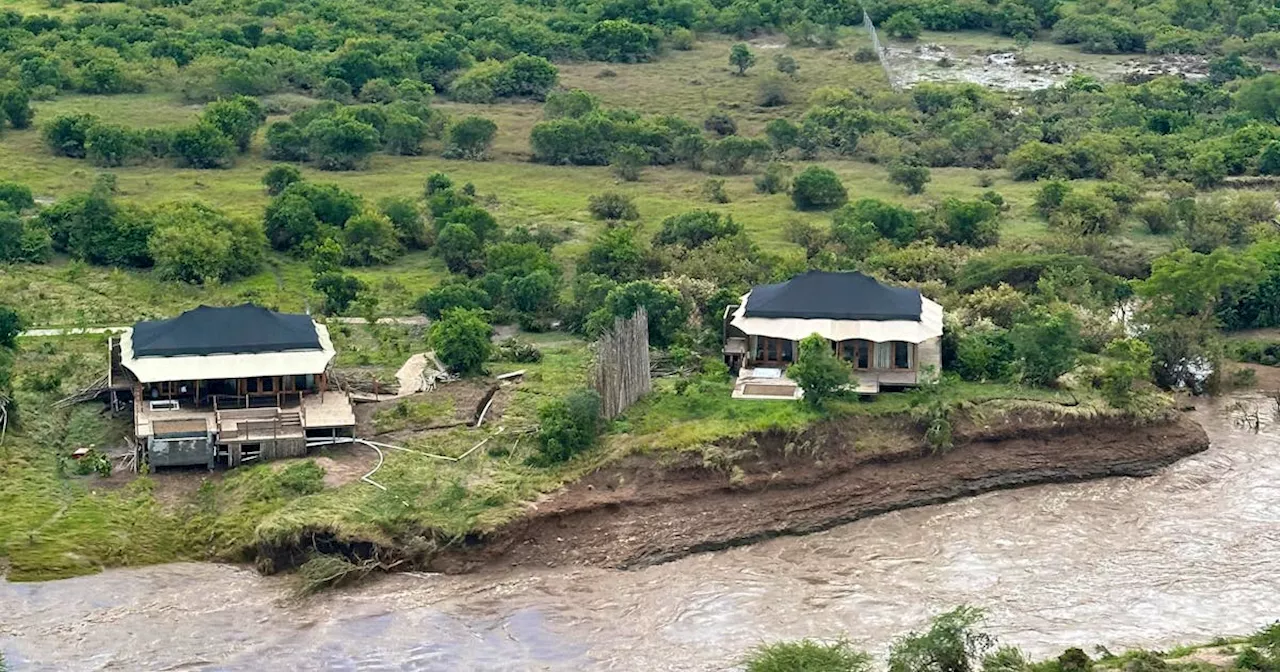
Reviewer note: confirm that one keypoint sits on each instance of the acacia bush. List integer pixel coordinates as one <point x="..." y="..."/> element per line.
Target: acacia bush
<point x="612" y="206"/>
<point x="817" y="371"/>
<point x="197" y="244"/>
<point x="460" y="339"/>
<point x="817" y="188"/>
<point x="567" y="426"/>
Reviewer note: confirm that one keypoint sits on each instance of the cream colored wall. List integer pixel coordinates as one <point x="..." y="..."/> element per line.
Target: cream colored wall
<point x="929" y="354"/>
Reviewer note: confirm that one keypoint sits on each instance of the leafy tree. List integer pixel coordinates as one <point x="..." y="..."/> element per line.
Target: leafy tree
<point x="16" y="197"/>
<point x="729" y="156"/>
<point x="459" y="246"/>
<point x="237" y="118"/>
<point x="1208" y="169"/>
<point x="612" y="206"/>
<point x="1183" y="282"/>
<point x="291" y="222"/>
<point x="619" y="41"/>
<point x="406" y="218"/>
<point x="1260" y="98"/>
<point x="903" y="25"/>
<point x="775" y="179"/>
<point x="893" y="222"/>
<point x="952" y="644"/>
<point x="22" y="240"/>
<point x="1051" y="195"/>
<point x="370" y="239"/>
<point x="667" y="311"/>
<point x="628" y="161"/>
<point x="11" y="324"/>
<point x="460" y="339"/>
<point x="404" y="134"/>
<point x="690" y="150"/>
<point x="572" y="104"/>
<point x="615" y="254"/>
<point x="340" y="290"/>
<point x="1185" y="352"/>
<point x="280" y="176"/>
<point x="817" y="371"/>
<point x="195" y="243"/>
<point x="567" y="426"/>
<point x="526" y="76"/>
<point x="983" y="354"/>
<point x="782" y="134"/>
<point x="1269" y="159"/>
<point x="974" y="223"/>
<point x="436" y="183"/>
<point x="786" y="64"/>
<point x="15" y="105"/>
<point x="740" y="57"/>
<point x="66" y="134"/>
<point x="818" y="188"/>
<point x="286" y="142"/>
<point x="720" y="123"/>
<point x="474" y="217"/>
<point x="111" y="145"/>
<point x="1046" y="344"/>
<point x="452" y="294"/>
<point x="340" y="142"/>
<point x="202" y="146"/>
<point x="534" y="293"/>
<point x="808" y="656"/>
<point x="696" y="228"/>
<point x="909" y="176"/>
<point x="1129" y="361"/>
<point x="93" y="228"/>
<point x="470" y="138"/>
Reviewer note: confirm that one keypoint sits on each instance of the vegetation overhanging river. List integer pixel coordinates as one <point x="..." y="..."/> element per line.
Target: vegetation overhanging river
<point x="1186" y="555"/>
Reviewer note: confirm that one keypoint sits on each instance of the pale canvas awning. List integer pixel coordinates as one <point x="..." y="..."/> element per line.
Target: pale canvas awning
<point x="227" y="366"/>
<point x="882" y="331"/>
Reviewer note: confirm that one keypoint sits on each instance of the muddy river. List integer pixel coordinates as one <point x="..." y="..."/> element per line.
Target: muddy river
<point x="1191" y="553"/>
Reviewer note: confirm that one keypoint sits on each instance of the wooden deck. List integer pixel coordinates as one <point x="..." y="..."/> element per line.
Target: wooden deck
<point x="332" y="411"/>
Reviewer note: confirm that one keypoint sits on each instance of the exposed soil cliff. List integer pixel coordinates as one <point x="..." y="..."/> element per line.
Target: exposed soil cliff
<point x="644" y="511"/>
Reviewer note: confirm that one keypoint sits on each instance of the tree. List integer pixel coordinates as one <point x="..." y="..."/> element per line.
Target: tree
<point x="952" y="644"/>
<point x="619" y="41"/>
<point x="720" y="123"/>
<point x="903" y="25"/>
<point x="291" y="222"/>
<point x="571" y="104"/>
<point x="817" y="371"/>
<point x="460" y="339"/>
<point x="16" y="197"/>
<point x="1129" y="360"/>
<point x="66" y="134"/>
<point x="526" y="76"/>
<point x="740" y="57"/>
<point x="909" y="176"/>
<point x="111" y="145"/>
<point x="667" y="311"/>
<point x="15" y="104"/>
<point x="452" y="294"/>
<point x="808" y="656"/>
<point x="818" y="188"/>
<point x="614" y="254"/>
<point x="893" y="222"/>
<point x="782" y="134"/>
<point x="612" y="206"/>
<point x="196" y="243"/>
<point x="340" y="290"/>
<point x="473" y="217"/>
<point x="1208" y="169"/>
<point x="628" y="161"/>
<point x="23" y="240"/>
<point x="286" y="141"/>
<point x="974" y="223"/>
<point x="1269" y="159"/>
<point x="11" y="324"/>
<point x="696" y="228"/>
<point x="370" y="239"/>
<point x="1260" y="98"/>
<point x="470" y="138"/>
<point x="1046" y="343"/>
<point x="404" y="134"/>
<point x="406" y="218"/>
<point x="459" y="247"/>
<point x="567" y="426"/>
<point x="786" y="65"/>
<point x="237" y="118"/>
<point x="93" y="228"/>
<point x="1183" y="282"/>
<point x="202" y="146"/>
<point x="280" y="176"/>
<point x="340" y="142"/>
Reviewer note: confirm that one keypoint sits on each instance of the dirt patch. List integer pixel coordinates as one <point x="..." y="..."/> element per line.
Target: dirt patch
<point x="345" y="463"/>
<point x="457" y="403"/>
<point x="642" y="512"/>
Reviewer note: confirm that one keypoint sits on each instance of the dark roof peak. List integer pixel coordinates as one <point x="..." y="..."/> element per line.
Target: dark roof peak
<point x="847" y="295"/>
<point x="209" y="330"/>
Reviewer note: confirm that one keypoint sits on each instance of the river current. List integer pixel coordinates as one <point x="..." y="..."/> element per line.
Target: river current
<point x="1183" y="556"/>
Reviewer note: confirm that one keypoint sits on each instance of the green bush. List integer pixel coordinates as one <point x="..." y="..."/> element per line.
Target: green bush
<point x="460" y="339"/>
<point x="1046" y="344"/>
<point x="817" y="188"/>
<point x="952" y="644"/>
<point x="567" y="426"/>
<point x="807" y="655"/>
<point x="280" y="176"/>
<point x="612" y="206"/>
<point x="470" y="138"/>
<point x="817" y="371"/>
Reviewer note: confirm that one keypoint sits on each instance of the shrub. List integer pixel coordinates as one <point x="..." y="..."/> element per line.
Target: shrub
<point x="1157" y="216"/>
<point x="721" y="124"/>
<point x="628" y="161"/>
<point x="786" y="65"/>
<point x="440" y="299"/>
<point x="237" y="118"/>
<point x="713" y="191"/>
<point x="615" y="255"/>
<point x="459" y="247"/>
<point x="740" y="57"/>
<point x="696" y="228"/>
<point x="952" y="644"/>
<point x="817" y="371"/>
<point x="817" y="188"/>
<point x="518" y="351"/>
<point x="729" y="156"/>
<point x="16" y="197"/>
<point x="773" y="91"/>
<point x="864" y="54"/>
<point x="15" y="104"/>
<point x="280" y="176"/>
<point x="460" y="339"/>
<point x="567" y="426"/>
<point x="1050" y="196"/>
<point x="903" y="25"/>
<point x="1046" y="344"/>
<point x="370" y="239"/>
<point x="111" y="145"/>
<point x="974" y="223"/>
<point x="808" y="656"/>
<point x="619" y="41"/>
<point x="984" y="354"/>
<point x="195" y="243"/>
<point x="340" y="290"/>
<point x="1129" y="361"/>
<point x="23" y="240"/>
<point x="11" y="324"/>
<point x="66" y="134"/>
<point x="612" y="206"/>
<point x="470" y="138"/>
<point x="406" y="219"/>
<point x="340" y="142"/>
<point x="202" y="146"/>
<point x="892" y="222"/>
<point x="436" y="183"/>
<point x="775" y="178"/>
<point x="666" y="309"/>
<point x="909" y="176"/>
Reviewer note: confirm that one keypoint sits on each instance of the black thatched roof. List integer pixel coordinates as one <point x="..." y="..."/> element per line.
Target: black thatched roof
<point x="244" y="329"/>
<point x="834" y="296"/>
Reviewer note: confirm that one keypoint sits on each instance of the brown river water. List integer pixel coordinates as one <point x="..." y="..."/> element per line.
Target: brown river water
<point x="1183" y="556"/>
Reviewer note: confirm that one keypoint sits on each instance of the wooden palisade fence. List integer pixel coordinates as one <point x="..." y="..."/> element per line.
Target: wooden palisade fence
<point x="620" y="372"/>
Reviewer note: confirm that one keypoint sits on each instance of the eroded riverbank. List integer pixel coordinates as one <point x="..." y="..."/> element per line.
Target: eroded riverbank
<point x="1185" y="555"/>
